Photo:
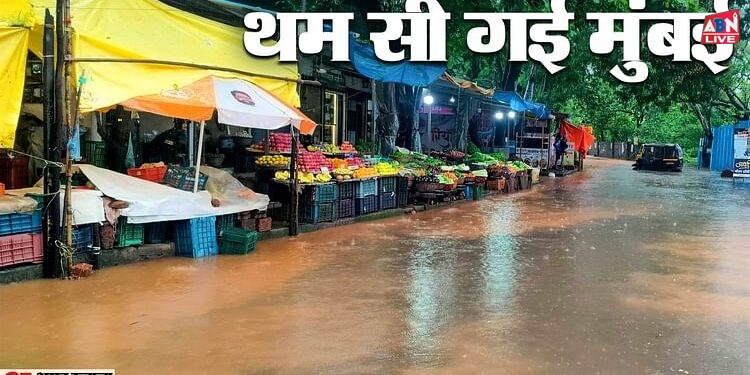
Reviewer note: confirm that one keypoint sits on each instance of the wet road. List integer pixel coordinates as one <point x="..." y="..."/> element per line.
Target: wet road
<point x="609" y="271"/>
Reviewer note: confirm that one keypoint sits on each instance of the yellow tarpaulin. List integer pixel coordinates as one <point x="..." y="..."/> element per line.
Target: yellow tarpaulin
<point x="14" y="43"/>
<point x="147" y="30"/>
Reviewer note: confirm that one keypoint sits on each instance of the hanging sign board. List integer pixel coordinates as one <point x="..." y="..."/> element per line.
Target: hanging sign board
<point x="742" y="153"/>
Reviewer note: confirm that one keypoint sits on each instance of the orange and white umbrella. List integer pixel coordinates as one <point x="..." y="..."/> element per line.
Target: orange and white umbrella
<point x="237" y="102"/>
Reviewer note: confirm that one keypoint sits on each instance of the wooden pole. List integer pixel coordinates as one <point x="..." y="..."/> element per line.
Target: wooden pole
<point x="293" y="202"/>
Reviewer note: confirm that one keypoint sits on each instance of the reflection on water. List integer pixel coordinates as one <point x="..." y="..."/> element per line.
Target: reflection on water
<point x="608" y="271"/>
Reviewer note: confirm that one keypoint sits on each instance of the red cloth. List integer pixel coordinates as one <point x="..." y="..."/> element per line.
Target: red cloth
<point x="580" y="136"/>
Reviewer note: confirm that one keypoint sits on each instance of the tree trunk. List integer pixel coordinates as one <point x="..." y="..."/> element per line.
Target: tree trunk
<point x="387" y="121"/>
<point x="512" y="72"/>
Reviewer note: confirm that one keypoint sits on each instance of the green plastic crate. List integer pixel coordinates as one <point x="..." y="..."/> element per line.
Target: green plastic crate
<point x="129" y="234"/>
<point x="95" y="153"/>
<point x="237" y="241"/>
<point x="224" y="222"/>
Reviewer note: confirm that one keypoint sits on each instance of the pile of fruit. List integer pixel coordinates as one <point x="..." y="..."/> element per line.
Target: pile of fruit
<point x="309" y="178"/>
<point x="339" y="163"/>
<point x="356" y="162"/>
<point x="386" y="169"/>
<point x="347" y="148"/>
<point x="496" y="170"/>
<point x="282" y="142"/>
<point x="282" y="175"/>
<point x="273" y="161"/>
<point x="342" y="172"/>
<point x="260" y="146"/>
<point x="312" y="162"/>
<point x="365" y="173"/>
<point x="324" y="147"/>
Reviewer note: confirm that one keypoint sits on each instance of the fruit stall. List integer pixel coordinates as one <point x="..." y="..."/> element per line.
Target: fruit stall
<point x="338" y="182"/>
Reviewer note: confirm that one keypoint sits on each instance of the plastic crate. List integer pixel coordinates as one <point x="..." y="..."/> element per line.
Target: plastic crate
<point x="366" y="188"/>
<point x="318" y="213"/>
<point x="128" y="234"/>
<point x="238" y="241"/>
<point x="83" y="237"/>
<point x="196" y="238"/>
<point x="366" y="205"/>
<point x="386" y="184"/>
<point x="183" y="178"/>
<point x="95" y="153"/>
<point x="153" y="174"/>
<point x="324" y="193"/>
<point x="469" y="191"/>
<point x="224" y="222"/>
<point x="280" y="213"/>
<point x="402" y="184"/>
<point x="21" y="248"/>
<point x="346" y="208"/>
<point x="347" y="189"/>
<point x="478" y="192"/>
<point x="402" y="198"/>
<point x="387" y="200"/>
<point x="157" y="232"/>
<point x="22" y="222"/>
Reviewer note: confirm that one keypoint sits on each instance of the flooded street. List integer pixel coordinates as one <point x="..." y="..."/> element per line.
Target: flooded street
<point x="609" y="271"/>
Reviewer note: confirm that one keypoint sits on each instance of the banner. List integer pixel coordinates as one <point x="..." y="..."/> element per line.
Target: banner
<point x="742" y="153"/>
<point x="443" y="127"/>
<point x="14" y="43"/>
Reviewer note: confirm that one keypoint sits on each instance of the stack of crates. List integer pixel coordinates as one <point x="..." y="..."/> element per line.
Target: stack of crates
<point x="387" y="192"/>
<point x="21" y="238"/>
<point x="347" y="194"/>
<point x="237" y="241"/>
<point x="319" y="203"/>
<point x="196" y="238"/>
<point x="366" y="200"/>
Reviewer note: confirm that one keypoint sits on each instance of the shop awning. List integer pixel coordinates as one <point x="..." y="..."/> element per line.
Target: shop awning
<point x="518" y="104"/>
<point x="136" y="47"/>
<point x="582" y="137"/>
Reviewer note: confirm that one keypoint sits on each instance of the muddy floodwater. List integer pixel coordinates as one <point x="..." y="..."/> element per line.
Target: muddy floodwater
<point x="608" y="271"/>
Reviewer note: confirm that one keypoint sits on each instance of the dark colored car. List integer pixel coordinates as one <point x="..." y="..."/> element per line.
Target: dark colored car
<point x="659" y="157"/>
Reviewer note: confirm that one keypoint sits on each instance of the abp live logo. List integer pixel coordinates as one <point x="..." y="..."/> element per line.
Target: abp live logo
<point x="722" y="28"/>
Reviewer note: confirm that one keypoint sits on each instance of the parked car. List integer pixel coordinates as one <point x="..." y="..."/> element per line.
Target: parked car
<point x="659" y="157"/>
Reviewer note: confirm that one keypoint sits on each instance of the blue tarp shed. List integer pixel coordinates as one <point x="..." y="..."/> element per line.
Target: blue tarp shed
<point x="722" y="150"/>
<point x="518" y="104"/>
<point x="410" y="73"/>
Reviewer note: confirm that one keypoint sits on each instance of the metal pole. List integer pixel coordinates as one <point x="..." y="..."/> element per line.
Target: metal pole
<point x="429" y="130"/>
<point x="198" y="159"/>
<point x="293" y="206"/>
<point x="52" y="223"/>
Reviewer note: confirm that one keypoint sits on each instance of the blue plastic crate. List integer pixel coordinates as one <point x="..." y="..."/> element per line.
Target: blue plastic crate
<point x="366" y="205"/>
<point x="196" y="238"/>
<point x="323" y="193"/>
<point x="386" y="184"/>
<point x="24" y="222"/>
<point x="346" y="208"/>
<point x="347" y="189"/>
<point x="387" y="200"/>
<point x="469" y="192"/>
<point x="83" y="237"/>
<point x="317" y="213"/>
<point x="366" y="188"/>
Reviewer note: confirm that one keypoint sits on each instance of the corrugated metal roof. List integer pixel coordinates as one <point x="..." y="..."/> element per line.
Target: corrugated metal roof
<point x="722" y="150"/>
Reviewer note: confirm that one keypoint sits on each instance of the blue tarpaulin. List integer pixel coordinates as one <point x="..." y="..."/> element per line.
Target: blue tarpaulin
<point x="410" y="73"/>
<point x="518" y="104"/>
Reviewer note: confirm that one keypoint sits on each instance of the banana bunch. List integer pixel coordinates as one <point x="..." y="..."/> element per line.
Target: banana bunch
<point x="306" y="178"/>
<point x="282" y="175"/>
<point x="323" y="177"/>
<point x="342" y="171"/>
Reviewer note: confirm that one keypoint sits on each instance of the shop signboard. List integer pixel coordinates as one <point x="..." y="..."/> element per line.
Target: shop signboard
<point x="742" y="153"/>
<point x="442" y="126"/>
<point x="536" y="157"/>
